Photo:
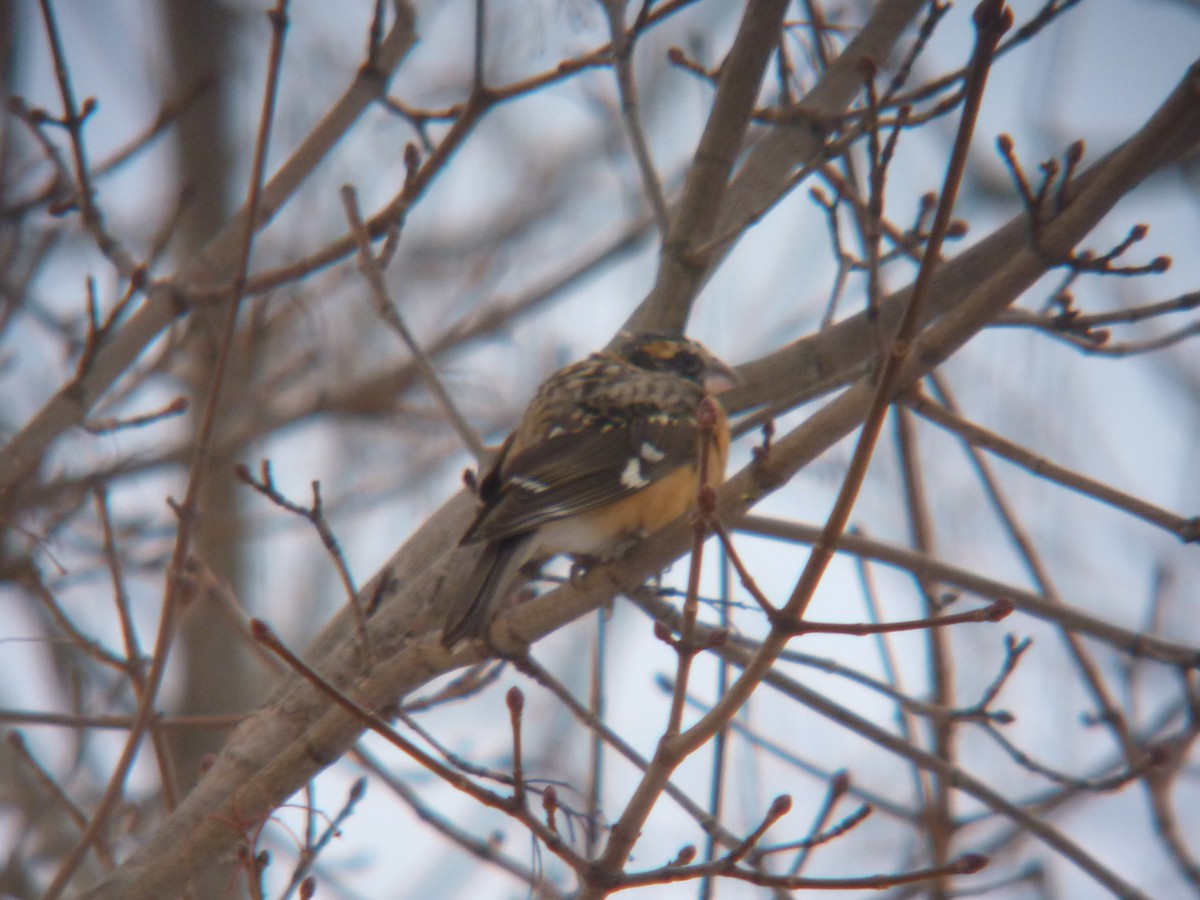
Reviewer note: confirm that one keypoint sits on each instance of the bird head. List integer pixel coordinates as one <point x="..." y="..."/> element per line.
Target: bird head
<point x="676" y="355"/>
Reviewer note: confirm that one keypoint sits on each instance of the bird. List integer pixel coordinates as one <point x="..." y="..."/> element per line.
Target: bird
<point x="608" y="451"/>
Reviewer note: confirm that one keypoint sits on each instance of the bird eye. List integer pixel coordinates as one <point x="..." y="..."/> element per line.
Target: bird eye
<point x="691" y="364"/>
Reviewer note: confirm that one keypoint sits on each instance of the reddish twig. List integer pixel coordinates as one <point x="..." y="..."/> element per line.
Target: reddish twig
<point x="993" y="612"/>
<point x="515" y="701"/>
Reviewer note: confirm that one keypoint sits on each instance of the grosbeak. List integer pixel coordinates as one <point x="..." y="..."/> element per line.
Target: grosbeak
<point x="607" y="452"/>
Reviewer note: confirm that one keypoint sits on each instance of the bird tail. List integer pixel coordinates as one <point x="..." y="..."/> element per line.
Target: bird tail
<point x="492" y="578"/>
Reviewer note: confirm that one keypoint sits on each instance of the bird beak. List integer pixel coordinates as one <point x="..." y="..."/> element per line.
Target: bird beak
<point x="718" y="377"/>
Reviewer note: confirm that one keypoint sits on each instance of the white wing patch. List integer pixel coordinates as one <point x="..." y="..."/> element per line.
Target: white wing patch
<point x="631" y="476"/>
<point x="528" y="484"/>
<point x="652" y="454"/>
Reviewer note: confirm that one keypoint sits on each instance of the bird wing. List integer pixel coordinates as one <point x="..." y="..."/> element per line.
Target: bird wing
<point x="577" y="470"/>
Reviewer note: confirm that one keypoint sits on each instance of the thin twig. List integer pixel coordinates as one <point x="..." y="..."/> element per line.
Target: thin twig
<point x="622" y="62"/>
<point x="73" y="120"/>
<point x="446" y="773"/>
<point x="176" y="407"/>
<point x="515" y="701"/>
<point x="315" y="515"/>
<point x="838" y="786"/>
<point x="135" y="664"/>
<point x="1107" y="706"/>
<point x="314" y="844"/>
<point x="1064" y="615"/>
<point x="597" y="709"/>
<point x="1183" y="528"/>
<point x="535" y="671"/>
<point x="484" y="850"/>
<point x="390" y="314"/>
<point x="720" y="761"/>
<point x="686" y="648"/>
<point x="993" y="612"/>
<point x="967" y="864"/>
<point x="16" y="744"/>
<point x="940" y="813"/>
